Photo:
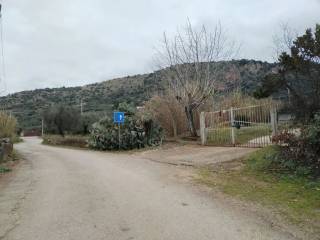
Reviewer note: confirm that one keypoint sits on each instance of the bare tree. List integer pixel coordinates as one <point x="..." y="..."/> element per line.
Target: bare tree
<point x="283" y="40"/>
<point x="191" y="59"/>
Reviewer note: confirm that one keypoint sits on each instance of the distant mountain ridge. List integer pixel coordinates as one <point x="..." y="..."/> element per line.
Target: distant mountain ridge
<point x="103" y="96"/>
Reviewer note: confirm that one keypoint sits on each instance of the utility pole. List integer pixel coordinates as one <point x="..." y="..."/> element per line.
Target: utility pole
<point x="42" y="127"/>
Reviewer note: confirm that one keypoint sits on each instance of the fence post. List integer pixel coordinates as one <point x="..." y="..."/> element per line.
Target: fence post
<point x="232" y="127"/>
<point x="274" y="121"/>
<point x="202" y="128"/>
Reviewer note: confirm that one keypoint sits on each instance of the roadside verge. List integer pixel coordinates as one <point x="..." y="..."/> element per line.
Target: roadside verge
<point x="295" y="199"/>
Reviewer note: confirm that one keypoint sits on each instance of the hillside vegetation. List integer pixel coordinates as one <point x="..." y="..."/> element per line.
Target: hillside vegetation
<point x="27" y="106"/>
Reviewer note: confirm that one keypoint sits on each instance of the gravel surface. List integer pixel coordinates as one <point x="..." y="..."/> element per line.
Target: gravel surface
<point x="60" y="193"/>
<point x="195" y="155"/>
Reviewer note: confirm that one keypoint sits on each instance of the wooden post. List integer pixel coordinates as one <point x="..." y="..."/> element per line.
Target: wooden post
<point x="274" y="121"/>
<point x="232" y="127"/>
<point x="203" y="128"/>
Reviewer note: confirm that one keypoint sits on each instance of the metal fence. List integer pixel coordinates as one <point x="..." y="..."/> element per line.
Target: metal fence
<point x="251" y="126"/>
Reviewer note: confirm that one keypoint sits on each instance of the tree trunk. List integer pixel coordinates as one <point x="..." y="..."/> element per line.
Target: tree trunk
<point x="191" y="124"/>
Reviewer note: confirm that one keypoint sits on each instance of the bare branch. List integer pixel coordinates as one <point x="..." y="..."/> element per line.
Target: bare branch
<point x="283" y="40"/>
<point x="191" y="58"/>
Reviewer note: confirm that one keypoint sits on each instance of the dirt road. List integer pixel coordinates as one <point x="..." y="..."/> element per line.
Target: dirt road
<point x="60" y="193"/>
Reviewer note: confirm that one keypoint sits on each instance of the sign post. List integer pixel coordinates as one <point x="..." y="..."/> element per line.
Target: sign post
<point x="118" y="117"/>
<point x="119" y="135"/>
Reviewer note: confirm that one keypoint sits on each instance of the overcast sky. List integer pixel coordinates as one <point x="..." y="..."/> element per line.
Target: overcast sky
<point x="75" y="42"/>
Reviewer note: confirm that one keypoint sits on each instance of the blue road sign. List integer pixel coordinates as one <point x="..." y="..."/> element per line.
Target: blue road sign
<point x="118" y="117"/>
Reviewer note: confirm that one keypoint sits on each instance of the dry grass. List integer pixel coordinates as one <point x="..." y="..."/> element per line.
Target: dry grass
<point x="68" y="140"/>
<point x="7" y="125"/>
<point x="169" y="113"/>
<point x="237" y="99"/>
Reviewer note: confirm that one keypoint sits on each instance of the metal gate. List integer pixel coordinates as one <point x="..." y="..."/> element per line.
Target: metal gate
<point x="251" y="126"/>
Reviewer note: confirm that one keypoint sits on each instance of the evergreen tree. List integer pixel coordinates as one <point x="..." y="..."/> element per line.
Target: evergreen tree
<point x="299" y="73"/>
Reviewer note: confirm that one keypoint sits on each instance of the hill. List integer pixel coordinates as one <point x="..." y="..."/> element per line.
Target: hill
<point x="102" y="97"/>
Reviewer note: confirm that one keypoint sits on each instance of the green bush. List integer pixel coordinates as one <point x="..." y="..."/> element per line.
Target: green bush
<point x="85" y="123"/>
<point x="304" y="150"/>
<point x="301" y="153"/>
<point x="134" y="134"/>
<point x="61" y="120"/>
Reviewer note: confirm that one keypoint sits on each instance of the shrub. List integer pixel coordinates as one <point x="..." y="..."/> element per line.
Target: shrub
<point x="61" y="120"/>
<point x="301" y="153"/>
<point x="168" y="112"/>
<point x="7" y="126"/>
<point x="283" y="138"/>
<point x="134" y="133"/>
<point x="85" y="123"/>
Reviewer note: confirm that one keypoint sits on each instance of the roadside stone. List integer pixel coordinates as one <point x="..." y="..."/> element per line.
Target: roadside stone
<point x="6" y="148"/>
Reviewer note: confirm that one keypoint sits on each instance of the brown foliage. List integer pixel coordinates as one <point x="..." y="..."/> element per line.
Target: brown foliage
<point x="7" y="125"/>
<point x="169" y="113"/>
<point x="237" y="99"/>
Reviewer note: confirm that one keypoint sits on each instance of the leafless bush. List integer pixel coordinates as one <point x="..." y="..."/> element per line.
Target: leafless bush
<point x="169" y="113"/>
<point x="188" y="58"/>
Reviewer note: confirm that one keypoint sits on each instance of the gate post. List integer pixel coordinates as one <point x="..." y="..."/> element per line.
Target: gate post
<point x="202" y="128"/>
<point x="274" y="121"/>
<point x="232" y="127"/>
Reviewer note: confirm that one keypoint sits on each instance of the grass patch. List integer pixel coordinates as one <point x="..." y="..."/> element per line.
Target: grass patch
<point x="296" y="198"/>
<point x="222" y="136"/>
<point x="219" y="136"/>
<point x="4" y="169"/>
<point x="68" y="140"/>
<point x="245" y="134"/>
